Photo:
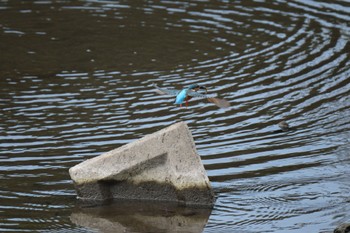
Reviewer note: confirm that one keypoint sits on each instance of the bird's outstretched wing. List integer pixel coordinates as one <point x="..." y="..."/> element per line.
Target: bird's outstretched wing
<point x="221" y="103"/>
<point x="164" y="91"/>
<point x="197" y="94"/>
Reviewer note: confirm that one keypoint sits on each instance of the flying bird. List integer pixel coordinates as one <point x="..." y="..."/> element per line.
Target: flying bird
<point x="192" y="91"/>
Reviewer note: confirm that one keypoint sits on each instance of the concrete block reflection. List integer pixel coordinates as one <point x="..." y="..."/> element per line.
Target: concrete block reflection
<point x="126" y="216"/>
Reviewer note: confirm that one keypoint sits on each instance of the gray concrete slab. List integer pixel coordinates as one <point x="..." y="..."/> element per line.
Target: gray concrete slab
<point x="162" y="166"/>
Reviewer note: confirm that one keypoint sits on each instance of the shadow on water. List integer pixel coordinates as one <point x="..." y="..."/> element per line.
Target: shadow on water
<point x="126" y="216"/>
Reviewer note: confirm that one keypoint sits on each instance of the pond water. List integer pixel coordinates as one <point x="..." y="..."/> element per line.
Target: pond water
<point x="76" y="78"/>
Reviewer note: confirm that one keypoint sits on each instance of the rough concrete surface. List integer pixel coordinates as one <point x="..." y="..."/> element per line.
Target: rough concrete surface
<point x="161" y="166"/>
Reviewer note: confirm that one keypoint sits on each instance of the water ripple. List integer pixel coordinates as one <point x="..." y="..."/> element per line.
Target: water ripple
<point x="73" y="91"/>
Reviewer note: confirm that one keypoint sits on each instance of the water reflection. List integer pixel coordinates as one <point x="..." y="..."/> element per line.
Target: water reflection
<point x="141" y="217"/>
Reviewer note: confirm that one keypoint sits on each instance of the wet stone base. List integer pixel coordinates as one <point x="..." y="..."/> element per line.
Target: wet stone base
<point x="122" y="190"/>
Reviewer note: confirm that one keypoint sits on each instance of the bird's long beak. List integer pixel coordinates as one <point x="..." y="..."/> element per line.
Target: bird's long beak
<point x="204" y="88"/>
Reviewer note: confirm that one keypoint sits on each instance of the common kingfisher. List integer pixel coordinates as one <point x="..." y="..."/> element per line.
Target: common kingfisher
<point x="188" y="93"/>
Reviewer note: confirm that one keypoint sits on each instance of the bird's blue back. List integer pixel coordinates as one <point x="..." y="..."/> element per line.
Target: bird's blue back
<point x="181" y="96"/>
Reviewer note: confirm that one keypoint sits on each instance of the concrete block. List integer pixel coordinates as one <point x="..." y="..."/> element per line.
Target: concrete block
<point x="161" y="166"/>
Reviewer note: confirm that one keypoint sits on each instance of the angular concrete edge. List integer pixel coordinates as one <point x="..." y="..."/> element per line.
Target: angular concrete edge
<point x="161" y="166"/>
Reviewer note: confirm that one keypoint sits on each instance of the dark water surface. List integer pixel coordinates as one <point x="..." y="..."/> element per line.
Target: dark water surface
<point x="75" y="81"/>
